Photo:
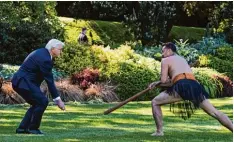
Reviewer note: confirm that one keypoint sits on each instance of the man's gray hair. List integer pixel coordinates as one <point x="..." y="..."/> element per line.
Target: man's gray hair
<point x="53" y="43"/>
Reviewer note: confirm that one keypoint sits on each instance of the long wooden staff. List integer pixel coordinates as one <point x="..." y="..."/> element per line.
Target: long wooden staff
<point x="128" y="100"/>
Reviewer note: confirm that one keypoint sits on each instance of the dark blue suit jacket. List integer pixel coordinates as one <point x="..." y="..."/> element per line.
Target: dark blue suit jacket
<point x="36" y="68"/>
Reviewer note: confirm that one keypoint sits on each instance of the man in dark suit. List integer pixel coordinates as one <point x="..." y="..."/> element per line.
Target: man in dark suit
<point x="36" y="68"/>
<point x="83" y="39"/>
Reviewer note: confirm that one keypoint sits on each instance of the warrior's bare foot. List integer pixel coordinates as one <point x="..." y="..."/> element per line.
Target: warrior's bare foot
<point x="157" y="134"/>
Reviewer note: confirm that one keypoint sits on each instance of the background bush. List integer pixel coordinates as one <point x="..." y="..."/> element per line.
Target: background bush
<point x="194" y="34"/>
<point x="209" y="45"/>
<point x="225" y="53"/>
<point x="211" y="84"/>
<point x="132" y="79"/>
<point x="122" y="66"/>
<point x="7" y="71"/>
<point x="220" y="65"/>
<point x="75" y="58"/>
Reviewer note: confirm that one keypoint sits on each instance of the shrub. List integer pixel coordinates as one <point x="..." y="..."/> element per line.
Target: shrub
<point x="209" y="45"/>
<point x="158" y="56"/>
<point x="183" y="49"/>
<point x="111" y="32"/>
<point x="75" y="58"/>
<point x="211" y="84"/>
<point x="116" y="66"/>
<point x="85" y="78"/>
<point x="152" y="52"/>
<point x="224" y="53"/>
<point x="7" y="71"/>
<point x="133" y="78"/>
<point x="212" y="79"/>
<point x="190" y="54"/>
<point x="227" y="86"/>
<point x="113" y="64"/>
<point x="194" y="34"/>
<point x="220" y="65"/>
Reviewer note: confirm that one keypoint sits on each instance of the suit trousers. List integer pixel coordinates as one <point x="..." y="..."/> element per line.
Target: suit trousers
<point x="33" y="116"/>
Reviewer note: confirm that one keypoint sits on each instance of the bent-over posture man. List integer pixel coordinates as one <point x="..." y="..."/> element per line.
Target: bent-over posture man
<point x="27" y="80"/>
<point x="184" y="87"/>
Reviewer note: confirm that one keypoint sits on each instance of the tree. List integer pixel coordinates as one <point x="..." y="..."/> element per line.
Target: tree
<point x="219" y="13"/>
<point x="26" y="26"/>
<point x="149" y="21"/>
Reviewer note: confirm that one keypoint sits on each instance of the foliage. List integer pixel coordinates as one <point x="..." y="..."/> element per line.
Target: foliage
<point x="211" y="84"/>
<point x="58" y="74"/>
<point x="209" y="44"/>
<point x="152" y="52"/>
<point x="113" y="30"/>
<point x="85" y="78"/>
<point x="190" y="54"/>
<point x="35" y="22"/>
<point x="183" y="49"/>
<point x="227" y="86"/>
<point x="222" y="66"/>
<point x="194" y="34"/>
<point x="7" y="71"/>
<point x="102" y="10"/>
<point x="151" y="21"/>
<point x="219" y="13"/>
<point x="76" y="58"/>
<point x="131" y="72"/>
<point x="134" y="78"/>
<point x="98" y="32"/>
<point x="113" y="64"/>
<point x="224" y="53"/>
<point x="217" y="84"/>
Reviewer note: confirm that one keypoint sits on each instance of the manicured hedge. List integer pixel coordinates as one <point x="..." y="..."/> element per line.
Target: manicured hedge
<point x="194" y="34"/>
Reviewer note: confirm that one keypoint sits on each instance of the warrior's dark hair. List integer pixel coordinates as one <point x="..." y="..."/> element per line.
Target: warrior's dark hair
<point x="170" y="45"/>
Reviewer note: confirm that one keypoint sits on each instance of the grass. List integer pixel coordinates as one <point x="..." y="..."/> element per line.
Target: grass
<point x="133" y="122"/>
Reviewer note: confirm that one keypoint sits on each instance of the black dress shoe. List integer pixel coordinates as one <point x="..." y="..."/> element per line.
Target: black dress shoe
<point x="21" y="131"/>
<point x="37" y="132"/>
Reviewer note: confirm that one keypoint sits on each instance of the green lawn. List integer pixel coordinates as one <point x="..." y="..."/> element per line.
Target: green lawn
<point x="133" y="122"/>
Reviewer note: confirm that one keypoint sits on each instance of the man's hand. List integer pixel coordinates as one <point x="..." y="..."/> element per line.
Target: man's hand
<point x="60" y="104"/>
<point x="153" y="84"/>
